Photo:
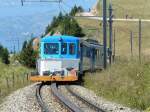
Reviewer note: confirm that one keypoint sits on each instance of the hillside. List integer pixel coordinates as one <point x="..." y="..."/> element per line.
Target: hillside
<point x="126" y="79"/>
<point x="134" y="9"/>
<point x="123" y="29"/>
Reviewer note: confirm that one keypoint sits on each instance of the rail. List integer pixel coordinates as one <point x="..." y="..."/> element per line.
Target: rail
<point x="67" y="103"/>
<point x="95" y="107"/>
<point x="40" y="100"/>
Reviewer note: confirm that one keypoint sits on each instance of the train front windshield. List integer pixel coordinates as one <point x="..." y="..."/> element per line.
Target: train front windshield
<point x="65" y="50"/>
<point x="51" y="48"/>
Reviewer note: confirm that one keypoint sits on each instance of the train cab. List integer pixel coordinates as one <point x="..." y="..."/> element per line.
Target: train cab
<point x="59" y="59"/>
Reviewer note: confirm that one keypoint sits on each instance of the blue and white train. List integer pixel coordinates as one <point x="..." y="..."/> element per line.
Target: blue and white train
<point x="63" y="58"/>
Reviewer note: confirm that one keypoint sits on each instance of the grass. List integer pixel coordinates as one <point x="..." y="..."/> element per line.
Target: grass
<point x="120" y="83"/>
<point x="126" y="82"/>
<point x="123" y="30"/>
<point x="12" y="77"/>
<point x="134" y="9"/>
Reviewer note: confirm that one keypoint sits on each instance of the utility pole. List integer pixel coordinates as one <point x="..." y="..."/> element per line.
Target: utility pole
<point x="22" y="2"/>
<point x="14" y="49"/>
<point x="105" y="32"/>
<point x="110" y="33"/>
<point x="18" y="45"/>
<point x="131" y="42"/>
<point x="114" y="46"/>
<point x="14" y="41"/>
<point x="140" y="24"/>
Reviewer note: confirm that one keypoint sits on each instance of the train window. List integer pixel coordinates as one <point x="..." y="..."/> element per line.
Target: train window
<point x="51" y="48"/>
<point x="72" y="48"/>
<point x="64" y="48"/>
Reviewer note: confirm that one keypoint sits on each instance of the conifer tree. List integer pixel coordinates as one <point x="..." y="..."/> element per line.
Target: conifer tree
<point x="28" y="55"/>
<point x="5" y="56"/>
<point x="66" y="24"/>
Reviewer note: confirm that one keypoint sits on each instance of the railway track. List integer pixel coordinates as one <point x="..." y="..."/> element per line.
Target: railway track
<point x="63" y="100"/>
<point x="43" y="106"/>
<point x="67" y="104"/>
<point x="90" y="104"/>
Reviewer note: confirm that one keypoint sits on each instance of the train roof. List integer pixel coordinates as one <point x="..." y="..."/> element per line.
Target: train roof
<point x="59" y="38"/>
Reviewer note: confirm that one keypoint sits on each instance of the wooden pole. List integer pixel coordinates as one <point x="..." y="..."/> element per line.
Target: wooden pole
<point x="7" y="83"/>
<point x="114" y="46"/>
<point x="140" y="24"/>
<point x="13" y="78"/>
<point x="131" y="42"/>
<point x="110" y="33"/>
<point x="105" y="32"/>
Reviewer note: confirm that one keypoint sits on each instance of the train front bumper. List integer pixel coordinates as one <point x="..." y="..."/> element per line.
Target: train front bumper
<point x="71" y="76"/>
<point x="53" y="78"/>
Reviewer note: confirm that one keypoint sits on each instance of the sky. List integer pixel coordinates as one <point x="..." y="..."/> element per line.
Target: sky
<point x="18" y="22"/>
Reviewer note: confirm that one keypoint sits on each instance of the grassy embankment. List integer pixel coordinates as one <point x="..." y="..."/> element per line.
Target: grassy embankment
<point x="12" y="77"/>
<point x="126" y="81"/>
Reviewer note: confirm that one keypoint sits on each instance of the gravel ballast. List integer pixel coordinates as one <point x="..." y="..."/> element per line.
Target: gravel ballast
<point x="101" y="102"/>
<point x="77" y="102"/>
<point x="50" y="101"/>
<point x="22" y="100"/>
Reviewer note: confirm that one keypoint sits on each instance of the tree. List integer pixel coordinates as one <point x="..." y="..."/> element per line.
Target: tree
<point x="24" y="45"/>
<point x="75" y="10"/>
<point x="71" y="27"/>
<point x="80" y="9"/>
<point x="65" y="24"/>
<point x="54" y="24"/>
<point x="48" y="29"/>
<point x="1" y="50"/>
<point x="5" y="56"/>
<point x="60" y="17"/>
<point x="28" y="55"/>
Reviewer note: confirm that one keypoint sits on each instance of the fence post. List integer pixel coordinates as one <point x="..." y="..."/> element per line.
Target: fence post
<point x="22" y="75"/>
<point x="114" y="46"/>
<point x="140" y="40"/>
<point x="131" y="43"/>
<point x="13" y="77"/>
<point x="17" y="80"/>
<point x="0" y="92"/>
<point x="7" y="83"/>
<point x="0" y="89"/>
<point x="27" y="76"/>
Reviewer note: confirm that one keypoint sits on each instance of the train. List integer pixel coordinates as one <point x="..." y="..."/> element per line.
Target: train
<point x="65" y="58"/>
